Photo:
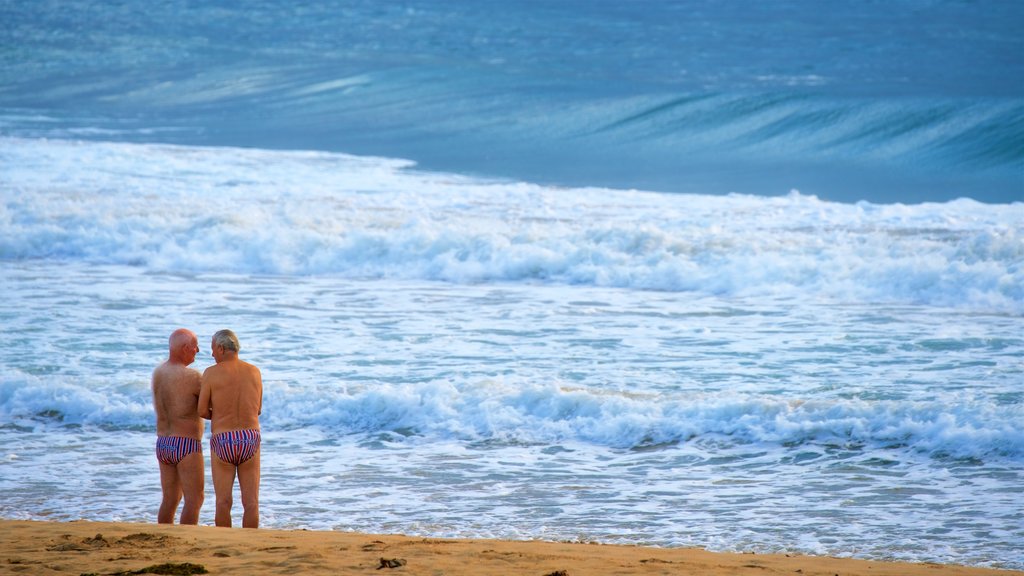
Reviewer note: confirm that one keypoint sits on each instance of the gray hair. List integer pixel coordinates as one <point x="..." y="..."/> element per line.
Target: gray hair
<point x="227" y="340"/>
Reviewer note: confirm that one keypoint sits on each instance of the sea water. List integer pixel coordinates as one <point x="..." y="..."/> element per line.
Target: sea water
<point x="918" y="101"/>
<point x="455" y="348"/>
<point x="457" y="357"/>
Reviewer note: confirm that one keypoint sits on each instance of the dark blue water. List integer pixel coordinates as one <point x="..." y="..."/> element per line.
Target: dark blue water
<point x="888" y="102"/>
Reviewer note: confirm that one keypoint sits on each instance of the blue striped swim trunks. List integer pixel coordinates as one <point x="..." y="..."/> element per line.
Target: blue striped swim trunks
<point x="171" y="449"/>
<point x="235" y="446"/>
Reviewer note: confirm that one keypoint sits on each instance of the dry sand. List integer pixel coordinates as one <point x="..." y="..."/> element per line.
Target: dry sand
<point x="28" y="547"/>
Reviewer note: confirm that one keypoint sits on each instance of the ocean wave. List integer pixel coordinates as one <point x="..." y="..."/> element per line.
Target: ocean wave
<point x="578" y="93"/>
<point x="849" y="148"/>
<point x="188" y="209"/>
<point x="945" y="135"/>
<point x="514" y="412"/>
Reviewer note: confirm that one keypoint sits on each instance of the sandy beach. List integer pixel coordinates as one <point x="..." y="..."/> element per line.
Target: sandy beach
<point x="31" y="547"/>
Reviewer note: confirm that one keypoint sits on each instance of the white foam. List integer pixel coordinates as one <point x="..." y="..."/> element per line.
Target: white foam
<point x="521" y="412"/>
<point x="251" y="211"/>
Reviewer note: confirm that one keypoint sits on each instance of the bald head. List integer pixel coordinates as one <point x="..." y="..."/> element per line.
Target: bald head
<point x="181" y="336"/>
<point x="183" y="346"/>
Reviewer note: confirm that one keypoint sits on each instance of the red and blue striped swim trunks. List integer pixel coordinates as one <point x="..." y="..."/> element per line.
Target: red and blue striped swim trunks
<point x="171" y="449"/>
<point x="235" y="446"/>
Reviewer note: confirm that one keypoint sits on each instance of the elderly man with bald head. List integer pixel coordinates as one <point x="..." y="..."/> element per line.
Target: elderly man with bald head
<point x="179" y="430"/>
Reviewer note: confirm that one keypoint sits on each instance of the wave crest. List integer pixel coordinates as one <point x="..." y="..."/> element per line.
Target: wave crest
<point x="259" y="212"/>
<point x="498" y="411"/>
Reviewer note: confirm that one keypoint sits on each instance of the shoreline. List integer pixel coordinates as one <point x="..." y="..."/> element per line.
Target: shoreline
<point x="84" y="547"/>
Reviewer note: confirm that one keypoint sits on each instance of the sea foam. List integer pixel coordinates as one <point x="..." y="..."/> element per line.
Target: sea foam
<point x="171" y="208"/>
<point x="516" y="412"/>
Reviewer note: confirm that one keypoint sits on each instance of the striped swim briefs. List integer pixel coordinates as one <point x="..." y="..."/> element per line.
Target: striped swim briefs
<point x="172" y="449"/>
<point x="235" y="446"/>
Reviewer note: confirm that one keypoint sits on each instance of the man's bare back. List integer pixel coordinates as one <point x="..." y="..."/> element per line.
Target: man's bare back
<point x="175" y="398"/>
<point x="233" y="396"/>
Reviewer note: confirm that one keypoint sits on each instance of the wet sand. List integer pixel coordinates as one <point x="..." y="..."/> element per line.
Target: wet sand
<point x="31" y="547"/>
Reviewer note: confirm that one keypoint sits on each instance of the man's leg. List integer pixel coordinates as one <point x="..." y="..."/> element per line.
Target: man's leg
<point x="223" y="483"/>
<point x="249" y="485"/>
<point x="191" y="477"/>
<point x="171" y="489"/>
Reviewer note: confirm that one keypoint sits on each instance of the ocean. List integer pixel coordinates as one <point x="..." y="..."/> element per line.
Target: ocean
<point x="736" y="275"/>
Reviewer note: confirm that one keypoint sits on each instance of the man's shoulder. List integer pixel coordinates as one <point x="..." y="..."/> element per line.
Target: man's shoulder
<point x="162" y="371"/>
<point x="172" y="370"/>
<point x="211" y="373"/>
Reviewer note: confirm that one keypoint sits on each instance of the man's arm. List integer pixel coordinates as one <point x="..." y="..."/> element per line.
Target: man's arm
<point x="197" y="385"/>
<point x="204" y="408"/>
<point x="259" y="378"/>
<point x="152" y="388"/>
<point x="159" y="406"/>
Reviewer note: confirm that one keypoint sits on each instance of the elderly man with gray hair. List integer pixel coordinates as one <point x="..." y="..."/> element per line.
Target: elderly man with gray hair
<point x="231" y="397"/>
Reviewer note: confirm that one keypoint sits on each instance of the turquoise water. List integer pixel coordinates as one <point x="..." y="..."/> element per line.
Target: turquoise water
<point x="730" y="275"/>
<point x="450" y="356"/>
<point x="918" y="101"/>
